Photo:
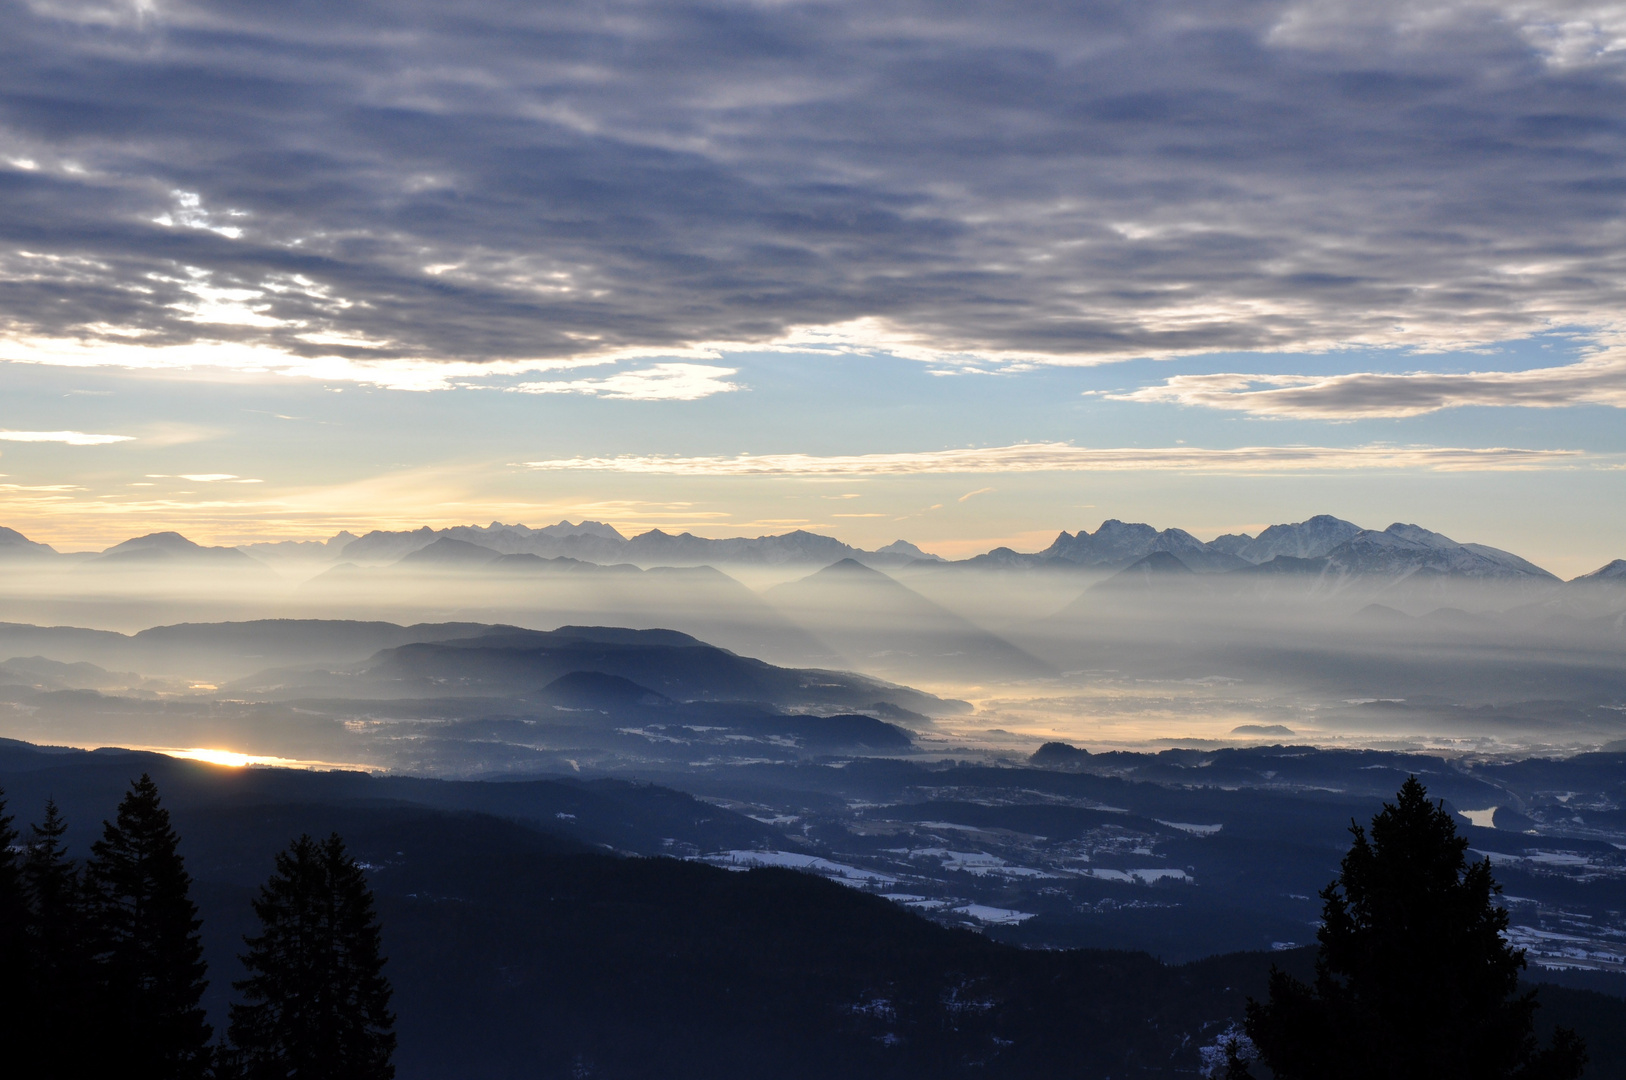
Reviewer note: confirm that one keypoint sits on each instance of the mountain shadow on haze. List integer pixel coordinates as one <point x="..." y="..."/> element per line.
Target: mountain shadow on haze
<point x="536" y="590"/>
<point x="449" y="552"/>
<point x="1157" y="570"/>
<point x="881" y="624"/>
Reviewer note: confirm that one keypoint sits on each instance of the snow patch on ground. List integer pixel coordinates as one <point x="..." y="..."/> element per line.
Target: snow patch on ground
<point x="951" y="827"/>
<point x="978" y="863"/>
<point x="1145" y="877"/>
<point x="1187" y="827"/>
<point x="812" y="864"/>
<point x="1541" y="858"/>
<point x="1550" y="949"/>
<point x="993" y="915"/>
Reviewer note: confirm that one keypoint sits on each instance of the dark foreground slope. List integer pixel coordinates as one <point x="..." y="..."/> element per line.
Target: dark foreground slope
<point x="517" y="951"/>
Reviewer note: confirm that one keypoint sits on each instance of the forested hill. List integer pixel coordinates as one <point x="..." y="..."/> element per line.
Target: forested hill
<point x="518" y="951"/>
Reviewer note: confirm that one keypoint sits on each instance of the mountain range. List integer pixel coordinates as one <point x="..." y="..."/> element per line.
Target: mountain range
<point x="1327" y="558"/>
<point x="594" y="541"/>
<point x="1350" y="549"/>
<point x="1322" y="545"/>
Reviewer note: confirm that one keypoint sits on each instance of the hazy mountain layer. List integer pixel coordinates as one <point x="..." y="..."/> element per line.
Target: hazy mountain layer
<point x="1071" y="637"/>
<point x="508" y="662"/>
<point x="878" y="624"/>
<point x="1114" y="544"/>
<point x="548" y="592"/>
<point x="448" y="699"/>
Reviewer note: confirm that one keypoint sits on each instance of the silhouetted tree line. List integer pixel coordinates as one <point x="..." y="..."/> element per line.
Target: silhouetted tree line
<point x="103" y="969"/>
<point x="1415" y="978"/>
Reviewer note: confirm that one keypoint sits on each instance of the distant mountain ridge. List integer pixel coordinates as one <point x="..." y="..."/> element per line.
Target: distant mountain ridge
<point x="1613" y="573"/>
<point x="14" y="544"/>
<point x="172" y="547"/>
<point x="1120" y="543"/>
<point x="1401" y="553"/>
<point x="594" y="541"/>
<point x="1321" y="545"/>
<point x="1113" y="546"/>
<point x="1305" y="540"/>
<point x="1410" y="549"/>
<point x="1349" y="549"/>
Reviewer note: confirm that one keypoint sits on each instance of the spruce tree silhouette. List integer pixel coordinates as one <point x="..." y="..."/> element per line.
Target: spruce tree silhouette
<point x="15" y="968"/>
<point x="146" y="932"/>
<point x="1414" y="978"/>
<point x="318" y="1001"/>
<point x="59" y="959"/>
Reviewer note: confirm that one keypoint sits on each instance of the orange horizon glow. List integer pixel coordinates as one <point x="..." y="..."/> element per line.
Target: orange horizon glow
<point x="230" y="759"/>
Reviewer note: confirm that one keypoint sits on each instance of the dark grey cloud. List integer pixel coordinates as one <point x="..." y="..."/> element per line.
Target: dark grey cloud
<point x="488" y="180"/>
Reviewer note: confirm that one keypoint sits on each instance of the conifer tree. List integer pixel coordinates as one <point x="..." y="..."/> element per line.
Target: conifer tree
<point x="15" y="968"/>
<point x="64" y="982"/>
<point x="148" y="942"/>
<point x="317" y="1000"/>
<point x="55" y="900"/>
<point x="12" y="903"/>
<point x="1414" y="978"/>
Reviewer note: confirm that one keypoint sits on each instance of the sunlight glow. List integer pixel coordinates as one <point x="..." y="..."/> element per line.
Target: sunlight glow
<point x="231" y="758"/>
<point x="227" y="757"/>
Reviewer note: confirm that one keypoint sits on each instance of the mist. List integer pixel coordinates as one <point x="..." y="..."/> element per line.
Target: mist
<point x="1112" y="742"/>
<point x="302" y="652"/>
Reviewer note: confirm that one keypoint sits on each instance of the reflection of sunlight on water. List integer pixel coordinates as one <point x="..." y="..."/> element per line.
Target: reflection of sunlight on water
<point x="231" y="758"/>
<point x="1106" y="711"/>
<point x="237" y="761"/>
<point x="226" y="757"/>
<point x="1112" y="713"/>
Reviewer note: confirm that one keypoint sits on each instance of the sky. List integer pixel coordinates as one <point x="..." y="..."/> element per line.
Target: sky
<point x="966" y="274"/>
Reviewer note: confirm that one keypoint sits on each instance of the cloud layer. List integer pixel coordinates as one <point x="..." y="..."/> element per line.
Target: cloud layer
<point x="1064" y="457"/>
<point x="659" y="382"/>
<point x="380" y="186"/>
<point x="1597" y="381"/>
<point x="69" y="438"/>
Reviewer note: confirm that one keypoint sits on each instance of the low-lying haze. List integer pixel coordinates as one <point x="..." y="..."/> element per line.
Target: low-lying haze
<point x="1319" y="632"/>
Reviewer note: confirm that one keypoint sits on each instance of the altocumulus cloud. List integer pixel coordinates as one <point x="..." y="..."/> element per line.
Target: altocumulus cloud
<point x="381" y="191"/>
